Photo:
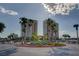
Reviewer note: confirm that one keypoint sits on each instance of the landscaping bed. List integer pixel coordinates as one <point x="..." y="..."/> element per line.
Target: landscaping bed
<point x="40" y="45"/>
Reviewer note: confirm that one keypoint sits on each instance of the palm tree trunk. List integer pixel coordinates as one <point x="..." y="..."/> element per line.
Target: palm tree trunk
<point x="30" y="33"/>
<point x="77" y="35"/>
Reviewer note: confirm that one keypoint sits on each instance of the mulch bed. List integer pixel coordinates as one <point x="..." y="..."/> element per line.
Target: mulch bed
<point x="25" y="45"/>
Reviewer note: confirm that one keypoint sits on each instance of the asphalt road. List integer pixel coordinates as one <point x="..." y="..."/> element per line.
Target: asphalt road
<point x="7" y="49"/>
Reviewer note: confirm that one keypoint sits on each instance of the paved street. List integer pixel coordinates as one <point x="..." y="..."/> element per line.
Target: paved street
<point x="7" y="49"/>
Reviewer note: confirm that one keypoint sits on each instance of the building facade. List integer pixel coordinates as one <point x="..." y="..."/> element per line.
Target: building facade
<point x="51" y="29"/>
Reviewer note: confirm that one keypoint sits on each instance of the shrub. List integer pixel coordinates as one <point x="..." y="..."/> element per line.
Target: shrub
<point x="36" y="43"/>
<point x="44" y="42"/>
<point x="56" y="44"/>
<point x="51" y="44"/>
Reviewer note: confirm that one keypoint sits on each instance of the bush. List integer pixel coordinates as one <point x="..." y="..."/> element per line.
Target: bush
<point x="45" y="42"/>
<point x="56" y="44"/>
<point x="59" y="44"/>
<point x="51" y="44"/>
<point x="36" y="43"/>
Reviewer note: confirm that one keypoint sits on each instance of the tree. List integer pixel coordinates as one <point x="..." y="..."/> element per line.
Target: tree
<point x="54" y="29"/>
<point x="23" y="22"/>
<point x="66" y="36"/>
<point x="2" y="26"/>
<point x="51" y="28"/>
<point x="30" y="23"/>
<point x="13" y="36"/>
<point x="76" y="26"/>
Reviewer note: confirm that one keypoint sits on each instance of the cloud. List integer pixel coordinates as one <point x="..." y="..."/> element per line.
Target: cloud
<point x="59" y="8"/>
<point x="10" y="12"/>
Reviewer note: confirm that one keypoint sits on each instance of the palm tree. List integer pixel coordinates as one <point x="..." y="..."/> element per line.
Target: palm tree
<point x="51" y="28"/>
<point x="30" y="27"/>
<point x="2" y="26"/>
<point x="76" y="26"/>
<point x="23" y="23"/>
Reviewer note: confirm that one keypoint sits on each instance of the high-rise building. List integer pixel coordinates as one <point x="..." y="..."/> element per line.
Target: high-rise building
<point x="51" y="29"/>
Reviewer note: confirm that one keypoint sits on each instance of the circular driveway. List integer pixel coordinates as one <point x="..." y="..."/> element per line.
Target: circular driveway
<point x="69" y="50"/>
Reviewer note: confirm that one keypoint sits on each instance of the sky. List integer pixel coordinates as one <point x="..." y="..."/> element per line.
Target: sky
<point x="10" y="14"/>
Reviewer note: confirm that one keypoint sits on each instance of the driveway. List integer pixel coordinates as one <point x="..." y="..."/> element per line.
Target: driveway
<point x="69" y="50"/>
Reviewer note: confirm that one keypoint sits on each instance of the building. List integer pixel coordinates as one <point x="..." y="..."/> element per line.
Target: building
<point x="51" y="29"/>
<point x="28" y="27"/>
